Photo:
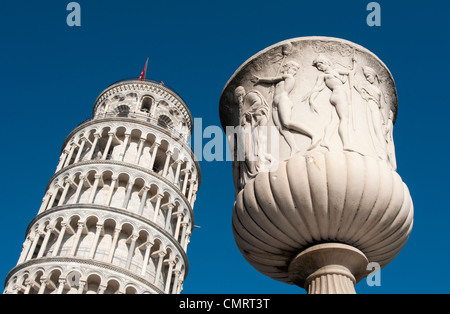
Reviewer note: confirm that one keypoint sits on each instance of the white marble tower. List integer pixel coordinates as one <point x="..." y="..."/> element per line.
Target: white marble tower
<point x="117" y="214"/>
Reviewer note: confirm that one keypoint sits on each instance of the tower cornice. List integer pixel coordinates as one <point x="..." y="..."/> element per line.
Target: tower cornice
<point x="148" y="85"/>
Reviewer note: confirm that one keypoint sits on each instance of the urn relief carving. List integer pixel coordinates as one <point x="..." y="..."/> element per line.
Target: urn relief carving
<point x="334" y="201"/>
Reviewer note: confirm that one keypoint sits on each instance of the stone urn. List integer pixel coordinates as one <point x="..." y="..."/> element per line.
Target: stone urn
<point x="310" y="122"/>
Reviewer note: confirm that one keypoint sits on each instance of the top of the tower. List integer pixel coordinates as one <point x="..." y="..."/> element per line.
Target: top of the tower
<point x="145" y="100"/>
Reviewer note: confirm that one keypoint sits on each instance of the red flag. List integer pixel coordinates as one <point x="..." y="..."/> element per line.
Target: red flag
<point x="144" y="72"/>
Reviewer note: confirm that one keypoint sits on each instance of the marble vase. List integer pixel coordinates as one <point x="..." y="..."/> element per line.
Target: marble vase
<point x="318" y="198"/>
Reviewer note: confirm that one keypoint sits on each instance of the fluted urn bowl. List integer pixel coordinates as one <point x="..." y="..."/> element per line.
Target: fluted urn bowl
<point x="330" y="201"/>
<point x="317" y="198"/>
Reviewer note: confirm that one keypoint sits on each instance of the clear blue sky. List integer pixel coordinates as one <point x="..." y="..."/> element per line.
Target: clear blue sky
<point x="52" y="73"/>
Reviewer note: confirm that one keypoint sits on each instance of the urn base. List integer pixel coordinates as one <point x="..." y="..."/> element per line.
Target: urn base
<point x="329" y="268"/>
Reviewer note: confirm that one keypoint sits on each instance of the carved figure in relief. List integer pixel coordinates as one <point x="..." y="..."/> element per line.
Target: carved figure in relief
<point x="282" y="105"/>
<point x="335" y="80"/>
<point x="389" y="136"/>
<point x="258" y="117"/>
<point x="370" y="91"/>
<point x="254" y="139"/>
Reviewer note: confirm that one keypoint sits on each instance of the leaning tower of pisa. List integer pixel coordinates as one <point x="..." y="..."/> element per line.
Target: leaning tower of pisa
<point x="117" y="214"/>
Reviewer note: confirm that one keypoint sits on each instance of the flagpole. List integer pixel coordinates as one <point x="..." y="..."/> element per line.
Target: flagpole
<point x="144" y="71"/>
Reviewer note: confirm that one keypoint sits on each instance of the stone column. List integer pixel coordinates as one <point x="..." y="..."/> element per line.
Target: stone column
<point x="64" y="193"/>
<point x="54" y="194"/>
<point x="157" y="206"/>
<point x="180" y="284"/>
<point x="76" y="197"/>
<point x="113" y="245"/>
<point x="25" y="249"/>
<point x="111" y="191"/>
<point x="62" y="160"/>
<point x="184" y="226"/>
<point x="124" y="147"/>
<point x="98" y="230"/>
<point x="193" y="196"/>
<point x="80" y="150"/>
<point x="139" y="150"/>
<point x="315" y="174"/>
<point x="143" y="199"/>
<point x="177" y="172"/>
<point x="148" y="247"/>
<point x="185" y="181"/>
<point x="167" y="163"/>
<point x="94" y="188"/>
<point x="178" y="224"/>
<point x="69" y="157"/>
<point x="187" y="239"/>
<point x="61" y="283"/>
<point x="44" y="203"/>
<point x="131" y="251"/>
<point x="108" y="146"/>
<point x="76" y="240"/>
<point x="169" y="215"/>
<point x="128" y="194"/>
<point x="48" y="233"/>
<point x="27" y="286"/>
<point x="171" y="264"/>
<point x="51" y="199"/>
<point x="192" y="183"/>
<point x="177" y="275"/>
<point x="160" y="254"/>
<point x="81" y="287"/>
<point x="93" y="146"/>
<point x="154" y="153"/>
<point x="36" y="238"/>
<point x="42" y="286"/>
<point x="60" y="238"/>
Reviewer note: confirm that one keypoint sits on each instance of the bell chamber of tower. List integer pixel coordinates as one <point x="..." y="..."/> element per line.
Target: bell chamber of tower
<point x="117" y="214"/>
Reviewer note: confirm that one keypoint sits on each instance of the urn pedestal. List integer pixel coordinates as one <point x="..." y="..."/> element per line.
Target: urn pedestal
<point x="317" y="192"/>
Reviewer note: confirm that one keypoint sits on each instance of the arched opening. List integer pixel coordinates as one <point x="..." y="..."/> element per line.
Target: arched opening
<point x="35" y="283"/>
<point x="130" y="290"/>
<point x="92" y="284"/>
<point x="21" y="284"/>
<point x="135" y="196"/>
<point x="139" y="251"/>
<point x="112" y="287"/>
<point x="146" y="104"/>
<point x="121" y="251"/>
<point x="87" y="237"/>
<point x="122" y="111"/>
<point x="72" y="283"/>
<point x="106" y="240"/>
<point x="165" y="267"/>
<point x="52" y="282"/>
<point x="154" y="258"/>
<point x="118" y="197"/>
<point x="165" y="122"/>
